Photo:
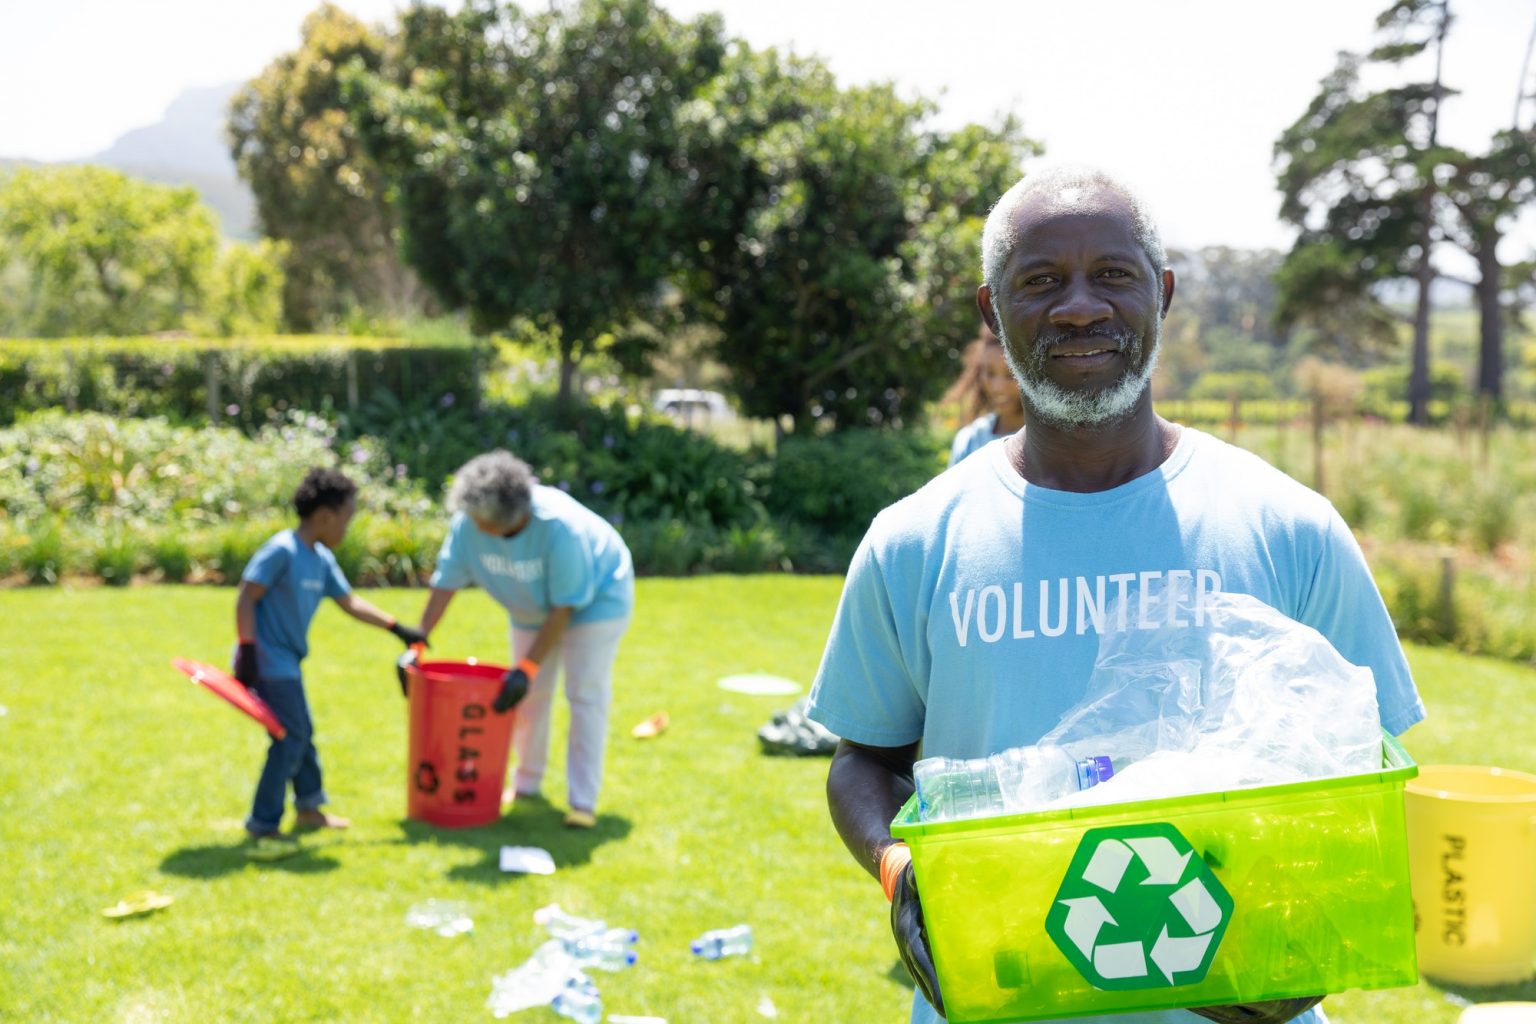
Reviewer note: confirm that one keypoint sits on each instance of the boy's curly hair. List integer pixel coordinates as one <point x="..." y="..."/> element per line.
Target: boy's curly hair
<point x="322" y="487"/>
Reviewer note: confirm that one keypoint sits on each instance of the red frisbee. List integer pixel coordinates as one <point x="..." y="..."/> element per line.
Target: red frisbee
<point x="232" y="690"/>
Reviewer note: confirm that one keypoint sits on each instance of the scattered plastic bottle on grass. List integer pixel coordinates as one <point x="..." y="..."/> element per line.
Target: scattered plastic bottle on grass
<point x="609" y="950"/>
<point x="446" y="917"/>
<point x="538" y="981"/>
<point x="590" y="941"/>
<point x="579" y="1000"/>
<point x="723" y="942"/>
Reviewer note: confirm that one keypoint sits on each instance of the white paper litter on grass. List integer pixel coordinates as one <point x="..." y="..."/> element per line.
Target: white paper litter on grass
<point x="527" y="860"/>
<point x="765" y="1008"/>
<point x="760" y="684"/>
<point x="4" y="711"/>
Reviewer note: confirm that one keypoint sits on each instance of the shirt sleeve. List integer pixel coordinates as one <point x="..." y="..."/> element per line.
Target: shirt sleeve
<point x="1344" y="605"/>
<point x="268" y="565"/>
<point x="864" y="690"/>
<point x="957" y="448"/>
<point x="336" y="584"/>
<point x="570" y="570"/>
<point x="452" y="569"/>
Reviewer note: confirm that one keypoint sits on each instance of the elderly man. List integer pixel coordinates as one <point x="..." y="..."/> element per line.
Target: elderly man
<point x="963" y="628"/>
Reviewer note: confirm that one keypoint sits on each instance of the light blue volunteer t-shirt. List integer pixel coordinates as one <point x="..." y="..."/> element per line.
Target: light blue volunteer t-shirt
<point x="297" y="577"/>
<point x="971" y="613"/>
<point x="567" y="556"/>
<point x="975" y="436"/>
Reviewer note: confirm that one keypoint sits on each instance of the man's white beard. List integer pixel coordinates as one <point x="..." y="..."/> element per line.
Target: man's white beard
<point x="1061" y="408"/>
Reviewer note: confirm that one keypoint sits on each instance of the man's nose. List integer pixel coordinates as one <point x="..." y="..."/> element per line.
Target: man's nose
<point x="1080" y="305"/>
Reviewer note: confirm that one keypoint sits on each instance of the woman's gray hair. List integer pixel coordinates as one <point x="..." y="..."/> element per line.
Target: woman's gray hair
<point x="496" y="487"/>
<point x="1068" y="187"/>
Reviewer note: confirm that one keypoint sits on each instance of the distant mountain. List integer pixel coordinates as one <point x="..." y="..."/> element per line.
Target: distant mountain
<point x="189" y="137"/>
<point x="185" y="147"/>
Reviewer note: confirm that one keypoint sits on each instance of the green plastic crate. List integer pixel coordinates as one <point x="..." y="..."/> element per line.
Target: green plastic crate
<point x="1201" y="900"/>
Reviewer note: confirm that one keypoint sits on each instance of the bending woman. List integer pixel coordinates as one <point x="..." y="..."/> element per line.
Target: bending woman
<point x="566" y="580"/>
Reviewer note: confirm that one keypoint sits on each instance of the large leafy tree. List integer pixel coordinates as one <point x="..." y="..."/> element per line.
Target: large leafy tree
<point x="534" y="160"/>
<point x="1358" y="175"/>
<point x="839" y="240"/>
<point x="102" y="253"/>
<point x="316" y="189"/>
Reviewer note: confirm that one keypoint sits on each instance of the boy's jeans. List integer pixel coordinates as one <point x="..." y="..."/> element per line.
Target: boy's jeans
<point x="292" y="758"/>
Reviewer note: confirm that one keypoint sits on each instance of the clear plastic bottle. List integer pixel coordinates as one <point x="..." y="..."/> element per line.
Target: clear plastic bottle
<point x="538" y="981"/>
<point x="1010" y="782"/>
<point x="610" y="950"/>
<point x="446" y="917"/>
<point x="579" y="1000"/>
<point x="566" y="927"/>
<point x="722" y="942"/>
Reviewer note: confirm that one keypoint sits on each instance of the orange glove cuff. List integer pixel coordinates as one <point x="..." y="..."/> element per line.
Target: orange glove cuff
<point x="529" y="666"/>
<point x="892" y="862"/>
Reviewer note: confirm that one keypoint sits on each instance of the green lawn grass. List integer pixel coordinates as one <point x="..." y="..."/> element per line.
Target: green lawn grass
<point x="118" y="775"/>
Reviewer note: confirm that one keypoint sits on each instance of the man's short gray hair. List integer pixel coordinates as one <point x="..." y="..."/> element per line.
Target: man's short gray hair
<point x="1068" y="187"/>
<point x="496" y="487"/>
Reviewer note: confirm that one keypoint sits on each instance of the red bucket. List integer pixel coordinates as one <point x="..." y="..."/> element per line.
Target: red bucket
<point x="458" y="751"/>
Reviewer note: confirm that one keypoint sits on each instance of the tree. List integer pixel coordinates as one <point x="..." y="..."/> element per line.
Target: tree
<point x="1358" y="174"/>
<point x="534" y="159"/>
<point x="840" y="241"/>
<point x="103" y="253"/>
<point x="316" y="189"/>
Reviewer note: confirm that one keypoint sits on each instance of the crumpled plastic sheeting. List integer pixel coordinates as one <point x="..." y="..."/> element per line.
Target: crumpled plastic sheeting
<point x="1235" y="695"/>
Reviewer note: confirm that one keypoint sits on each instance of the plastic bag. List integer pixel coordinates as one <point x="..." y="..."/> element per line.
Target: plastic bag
<point x="1227" y="695"/>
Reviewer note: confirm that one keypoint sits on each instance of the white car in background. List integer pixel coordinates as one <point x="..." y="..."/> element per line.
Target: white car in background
<point x="691" y="406"/>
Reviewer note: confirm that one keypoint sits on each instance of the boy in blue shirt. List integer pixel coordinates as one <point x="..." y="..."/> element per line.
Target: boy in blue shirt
<point x="279" y="592"/>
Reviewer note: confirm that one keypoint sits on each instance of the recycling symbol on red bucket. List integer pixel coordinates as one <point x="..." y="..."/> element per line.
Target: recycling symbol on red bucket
<point x="1138" y="909"/>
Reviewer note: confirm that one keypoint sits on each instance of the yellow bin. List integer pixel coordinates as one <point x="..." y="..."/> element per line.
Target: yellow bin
<point x="1472" y="869"/>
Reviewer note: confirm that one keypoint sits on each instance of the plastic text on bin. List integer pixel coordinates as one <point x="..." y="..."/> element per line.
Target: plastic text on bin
<point x="1139" y="909"/>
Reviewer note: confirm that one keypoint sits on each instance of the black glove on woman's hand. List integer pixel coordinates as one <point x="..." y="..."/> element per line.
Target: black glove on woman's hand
<point x="245" y="664"/>
<point x="1276" y="1011"/>
<point x="514" y="687"/>
<point x="912" y="938"/>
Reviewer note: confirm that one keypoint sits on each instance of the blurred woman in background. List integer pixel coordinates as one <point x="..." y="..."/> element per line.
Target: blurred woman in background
<point x="988" y="396"/>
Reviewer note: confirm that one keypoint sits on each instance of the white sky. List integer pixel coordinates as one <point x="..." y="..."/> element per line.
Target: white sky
<point x="1182" y="98"/>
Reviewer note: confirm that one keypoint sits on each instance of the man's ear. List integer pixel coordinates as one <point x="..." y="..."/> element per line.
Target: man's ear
<point x="988" y="314"/>
<point x="1167" y="290"/>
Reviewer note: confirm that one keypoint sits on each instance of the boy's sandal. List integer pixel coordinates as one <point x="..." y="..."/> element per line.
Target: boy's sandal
<point x="138" y="903"/>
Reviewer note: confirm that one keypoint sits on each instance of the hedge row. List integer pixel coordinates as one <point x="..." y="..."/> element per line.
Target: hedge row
<point x="243" y="380"/>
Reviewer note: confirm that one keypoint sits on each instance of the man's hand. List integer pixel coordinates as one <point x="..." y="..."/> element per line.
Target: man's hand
<point x="409" y="635"/>
<point x="912" y="938"/>
<point x="1273" y="1012"/>
<point x="245" y="664"/>
<point x="514" y="687"/>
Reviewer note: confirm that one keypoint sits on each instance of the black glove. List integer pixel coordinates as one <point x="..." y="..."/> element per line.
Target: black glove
<point x="912" y="938"/>
<point x="409" y="635"/>
<point x="1276" y="1011"/>
<point x="409" y="660"/>
<point x="245" y="664"/>
<point x="514" y="687"/>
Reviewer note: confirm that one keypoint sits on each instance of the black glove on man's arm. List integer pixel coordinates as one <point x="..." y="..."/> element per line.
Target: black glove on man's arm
<point x="409" y="635"/>
<point x="912" y="938"/>
<point x="1276" y="1011"/>
<point x="245" y="664"/>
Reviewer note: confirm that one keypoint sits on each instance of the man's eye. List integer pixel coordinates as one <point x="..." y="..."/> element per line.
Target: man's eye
<point x="1113" y="272"/>
<point x="1037" y="280"/>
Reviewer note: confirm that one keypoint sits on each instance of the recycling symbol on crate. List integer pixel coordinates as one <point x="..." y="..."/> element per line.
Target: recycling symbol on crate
<point x="1138" y="909"/>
